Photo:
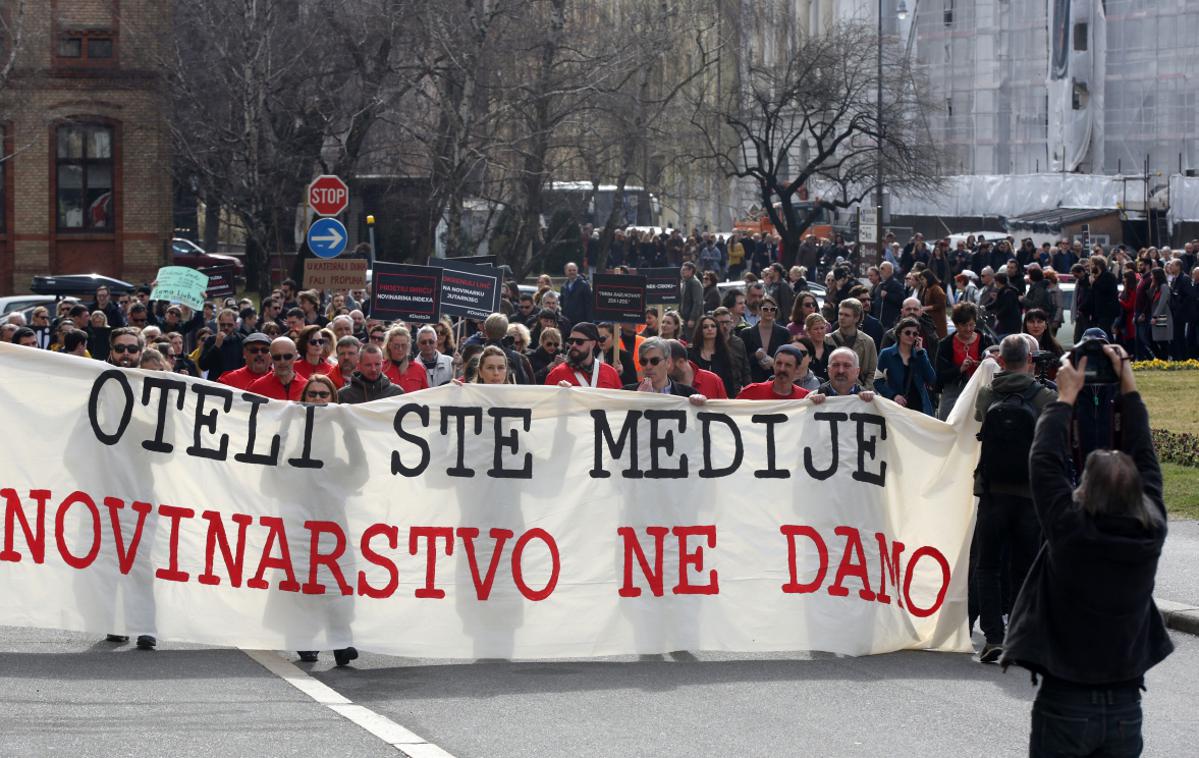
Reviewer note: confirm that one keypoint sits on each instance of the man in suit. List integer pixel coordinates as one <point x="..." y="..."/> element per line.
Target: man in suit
<point x="655" y="366"/>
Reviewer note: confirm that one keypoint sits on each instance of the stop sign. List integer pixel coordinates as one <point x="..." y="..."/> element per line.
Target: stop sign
<point x="328" y="195"/>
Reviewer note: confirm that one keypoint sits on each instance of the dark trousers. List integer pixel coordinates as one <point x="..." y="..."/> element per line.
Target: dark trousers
<point x="1004" y="521"/>
<point x="1071" y="720"/>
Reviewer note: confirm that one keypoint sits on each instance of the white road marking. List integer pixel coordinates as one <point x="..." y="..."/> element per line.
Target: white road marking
<point x="393" y="734"/>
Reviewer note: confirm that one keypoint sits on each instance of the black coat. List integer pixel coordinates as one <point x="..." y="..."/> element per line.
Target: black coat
<point x="948" y="372"/>
<point x="888" y="301"/>
<point x="1105" y="301"/>
<point x="1086" y="612"/>
<point x="753" y="340"/>
<point x="681" y="390"/>
<point x="1007" y="311"/>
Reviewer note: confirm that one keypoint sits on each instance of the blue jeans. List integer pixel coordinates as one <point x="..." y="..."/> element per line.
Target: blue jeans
<point x="1072" y="720"/>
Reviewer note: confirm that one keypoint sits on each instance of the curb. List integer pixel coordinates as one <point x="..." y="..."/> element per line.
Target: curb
<point x="1179" y="616"/>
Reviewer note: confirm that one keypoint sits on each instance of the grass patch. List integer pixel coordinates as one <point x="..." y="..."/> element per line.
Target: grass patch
<point x="1181" y="484"/>
<point x="1170" y="398"/>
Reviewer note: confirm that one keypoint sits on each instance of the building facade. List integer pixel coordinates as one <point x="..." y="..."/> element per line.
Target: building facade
<point x="86" y="182"/>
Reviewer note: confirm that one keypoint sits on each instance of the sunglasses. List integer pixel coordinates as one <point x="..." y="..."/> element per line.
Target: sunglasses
<point x="319" y="394"/>
<point x="551" y="344"/>
<point x="258" y="350"/>
<point x="126" y="349"/>
<point x="316" y="342"/>
<point x="577" y="341"/>
<point x="910" y="333"/>
<point x="283" y="357"/>
<point x="654" y="361"/>
<point x="426" y="342"/>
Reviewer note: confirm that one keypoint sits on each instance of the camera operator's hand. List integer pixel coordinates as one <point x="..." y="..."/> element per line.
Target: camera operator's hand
<point x="1123" y="368"/>
<point x="1070" y="379"/>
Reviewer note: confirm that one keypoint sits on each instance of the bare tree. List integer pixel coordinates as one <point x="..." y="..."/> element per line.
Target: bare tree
<point x="266" y="93"/>
<point x="810" y="124"/>
<point x="12" y="36"/>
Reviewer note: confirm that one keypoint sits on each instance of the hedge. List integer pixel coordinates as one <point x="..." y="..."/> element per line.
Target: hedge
<point x="1173" y="447"/>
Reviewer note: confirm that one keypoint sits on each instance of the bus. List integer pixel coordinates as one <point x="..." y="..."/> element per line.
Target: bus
<point x="592" y="205"/>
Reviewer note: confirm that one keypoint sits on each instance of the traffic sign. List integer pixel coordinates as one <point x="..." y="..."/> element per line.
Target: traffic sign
<point x="868" y="225"/>
<point x="327" y="238"/>
<point x="328" y="195"/>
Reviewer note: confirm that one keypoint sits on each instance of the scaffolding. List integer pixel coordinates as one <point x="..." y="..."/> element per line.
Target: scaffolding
<point x="988" y="63"/>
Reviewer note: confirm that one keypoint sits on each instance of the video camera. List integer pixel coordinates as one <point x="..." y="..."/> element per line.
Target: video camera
<point x="1099" y="368"/>
<point x="1043" y="363"/>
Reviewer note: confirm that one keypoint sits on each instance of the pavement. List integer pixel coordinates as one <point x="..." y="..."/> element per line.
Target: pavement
<point x="1177" y="590"/>
<point x="77" y="695"/>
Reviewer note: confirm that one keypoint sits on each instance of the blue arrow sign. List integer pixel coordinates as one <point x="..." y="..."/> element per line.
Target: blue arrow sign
<point x="327" y="238"/>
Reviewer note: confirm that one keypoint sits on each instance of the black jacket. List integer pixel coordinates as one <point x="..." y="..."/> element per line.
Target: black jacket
<point x="888" y="301"/>
<point x="217" y="360"/>
<point x="752" y="338"/>
<point x="360" y="390"/>
<point x="949" y="374"/>
<point x="1086" y="612"/>
<point x="681" y="390"/>
<point x="1105" y="301"/>
<point x="1007" y="311"/>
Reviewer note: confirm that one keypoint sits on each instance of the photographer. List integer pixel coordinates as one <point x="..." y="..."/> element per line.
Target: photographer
<point x="1008" y="409"/>
<point x="1085" y="619"/>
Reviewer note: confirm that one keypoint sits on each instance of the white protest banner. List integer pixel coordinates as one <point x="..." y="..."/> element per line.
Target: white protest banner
<point x="471" y="521"/>
<point x="182" y="285"/>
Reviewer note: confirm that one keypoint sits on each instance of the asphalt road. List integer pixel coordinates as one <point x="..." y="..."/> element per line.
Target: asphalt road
<point x="1178" y="570"/>
<point x="68" y="694"/>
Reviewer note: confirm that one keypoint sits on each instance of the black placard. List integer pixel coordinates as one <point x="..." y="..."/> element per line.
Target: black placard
<point x="619" y="297"/>
<point x="467" y="290"/>
<point x="406" y="292"/>
<point x="661" y="285"/>
<point x="220" y="281"/>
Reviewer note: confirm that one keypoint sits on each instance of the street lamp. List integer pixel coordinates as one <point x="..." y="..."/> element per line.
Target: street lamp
<point x="901" y="11"/>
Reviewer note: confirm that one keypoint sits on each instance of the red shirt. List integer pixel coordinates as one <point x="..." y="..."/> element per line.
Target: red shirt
<point x="608" y="378"/>
<point x="335" y="376"/>
<point x="414" y="377"/>
<point x="270" y="386"/>
<point x="304" y="369"/>
<point x="765" y="391"/>
<point x="240" y="378"/>
<point x="707" y="383"/>
<point x="962" y="351"/>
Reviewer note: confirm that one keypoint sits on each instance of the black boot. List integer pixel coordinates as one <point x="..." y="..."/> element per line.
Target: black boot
<point x="117" y="638"/>
<point x="146" y="642"/>
<point x="308" y="656"/>
<point x="343" y="657"/>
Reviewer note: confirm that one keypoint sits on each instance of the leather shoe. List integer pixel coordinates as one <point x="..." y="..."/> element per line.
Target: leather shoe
<point x="308" y="656"/>
<point x="117" y="638"/>
<point x="146" y="642"/>
<point x="343" y="657"/>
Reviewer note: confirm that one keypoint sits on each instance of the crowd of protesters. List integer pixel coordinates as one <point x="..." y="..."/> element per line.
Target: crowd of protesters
<point x="919" y="323"/>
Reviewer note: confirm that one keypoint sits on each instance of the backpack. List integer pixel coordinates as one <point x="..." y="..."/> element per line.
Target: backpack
<point x="1007" y="432"/>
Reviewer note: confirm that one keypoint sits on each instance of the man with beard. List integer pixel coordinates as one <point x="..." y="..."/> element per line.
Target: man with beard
<point x="843" y="372"/>
<point x="581" y="368"/>
<point x="125" y="347"/>
<point x="787" y="368"/>
<point x="347" y="361"/>
<point x="125" y="351"/>
<point x="256" y="351"/>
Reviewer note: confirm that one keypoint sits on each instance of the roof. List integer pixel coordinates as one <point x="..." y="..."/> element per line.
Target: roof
<point x="1056" y="218"/>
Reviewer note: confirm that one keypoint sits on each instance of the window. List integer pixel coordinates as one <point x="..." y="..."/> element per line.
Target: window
<point x="84" y="177"/>
<point x="84" y="48"/>
<point x="948" y="15"/>
<point x="1080" y="37"/>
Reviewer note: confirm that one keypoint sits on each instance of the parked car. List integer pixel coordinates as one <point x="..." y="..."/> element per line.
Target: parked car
<point x="184" y="252"/>
<point x="82" y="286"/>
<point x="23" y="303"/>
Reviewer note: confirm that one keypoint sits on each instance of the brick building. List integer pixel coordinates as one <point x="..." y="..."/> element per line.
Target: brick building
<point x="85" y="185"/>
